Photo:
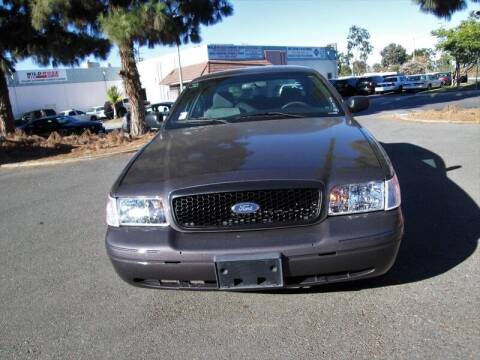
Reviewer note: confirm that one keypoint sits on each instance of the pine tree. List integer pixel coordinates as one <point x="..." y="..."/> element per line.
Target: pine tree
<point x="46" y="44"/>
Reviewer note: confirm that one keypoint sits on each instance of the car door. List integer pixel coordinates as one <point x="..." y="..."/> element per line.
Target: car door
<point x="43" y="127"/>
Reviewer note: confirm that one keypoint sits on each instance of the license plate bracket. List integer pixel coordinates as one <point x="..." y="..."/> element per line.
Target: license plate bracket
<point x="256" y="271"/>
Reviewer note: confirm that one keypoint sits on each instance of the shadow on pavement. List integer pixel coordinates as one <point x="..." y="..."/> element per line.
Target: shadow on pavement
<point x="442" y="222"/>
<point x="29" y="151"/>
<point x="392" y="102"/>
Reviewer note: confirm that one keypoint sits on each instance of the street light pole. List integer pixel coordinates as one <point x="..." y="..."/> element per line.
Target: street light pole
<point x="104" y="80"/>
<point x="413" y="49"/>
<point x="180" y="75"/>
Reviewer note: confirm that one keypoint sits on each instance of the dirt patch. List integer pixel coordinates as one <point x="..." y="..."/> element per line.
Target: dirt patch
<point x="447" y="114"/>
<point x="19" y="147"/>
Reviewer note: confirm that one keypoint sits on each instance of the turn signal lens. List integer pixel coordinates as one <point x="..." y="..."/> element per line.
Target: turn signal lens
<point x="393" y="197"/>
<point x="112" y="214"/>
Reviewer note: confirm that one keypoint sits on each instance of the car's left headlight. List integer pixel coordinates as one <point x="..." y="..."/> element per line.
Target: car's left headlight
<point x="135" y="212"/>
<point x="364" y="197"/>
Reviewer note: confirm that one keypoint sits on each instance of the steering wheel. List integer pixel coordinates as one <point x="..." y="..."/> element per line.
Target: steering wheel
<point x="294" y="103"/>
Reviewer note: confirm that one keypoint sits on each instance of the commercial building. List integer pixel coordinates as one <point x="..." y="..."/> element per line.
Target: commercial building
<point x="61" y="89"/>
<point x="161" y="77"/>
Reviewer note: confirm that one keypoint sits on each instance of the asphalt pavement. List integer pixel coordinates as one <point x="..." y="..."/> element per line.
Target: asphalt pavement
<point x="60" y="298"/>
<point x="401" y="103"/>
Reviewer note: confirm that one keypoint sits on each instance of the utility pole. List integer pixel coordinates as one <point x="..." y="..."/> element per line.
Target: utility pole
<point x="180" y="75"/>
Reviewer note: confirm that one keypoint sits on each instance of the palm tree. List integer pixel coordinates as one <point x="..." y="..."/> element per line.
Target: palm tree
<point x="442" y="8"/>
<point x="113" y="96"/>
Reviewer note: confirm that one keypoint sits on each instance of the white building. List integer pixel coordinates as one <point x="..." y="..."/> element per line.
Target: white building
<point x="61" y="89"/>
<point x="160" y="76"/>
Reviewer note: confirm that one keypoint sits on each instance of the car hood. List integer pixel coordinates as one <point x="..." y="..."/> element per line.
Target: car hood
<point x="320" y="149"/>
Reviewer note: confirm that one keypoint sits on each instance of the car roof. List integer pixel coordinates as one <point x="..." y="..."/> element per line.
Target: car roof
<point x="254" y="70"/>
<point x="54" y="117"/>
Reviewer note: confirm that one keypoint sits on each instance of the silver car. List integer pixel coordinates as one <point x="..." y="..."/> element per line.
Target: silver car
<point x="391" y="83"/>
<point x="422" y="82"/>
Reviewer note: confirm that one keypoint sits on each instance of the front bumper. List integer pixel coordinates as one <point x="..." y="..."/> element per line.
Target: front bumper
<point x="340" y="248"/>
<point x="381" y="89"/>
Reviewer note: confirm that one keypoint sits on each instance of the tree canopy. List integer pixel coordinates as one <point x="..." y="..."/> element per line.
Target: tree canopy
<point x="344" y="68"/>
<point x="393" y="54"/>
<point x="462" y="43"/>
<point x="412" y="67"/>
<point x="358" y="39"/>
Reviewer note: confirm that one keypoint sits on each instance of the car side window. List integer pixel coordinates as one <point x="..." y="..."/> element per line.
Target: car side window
<point x="71" y="113"/>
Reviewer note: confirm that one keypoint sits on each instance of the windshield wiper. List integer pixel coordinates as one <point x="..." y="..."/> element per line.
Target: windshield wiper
<point x="203" y="121"/>
<point x="267" y="114"/>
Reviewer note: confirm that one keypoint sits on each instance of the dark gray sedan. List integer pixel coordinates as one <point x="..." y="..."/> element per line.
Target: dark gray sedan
<point x="259" y="179"/>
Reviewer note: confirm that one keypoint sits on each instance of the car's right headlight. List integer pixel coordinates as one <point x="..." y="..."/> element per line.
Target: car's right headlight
<point x="135" y="211"/>
<point x="364" y="197"/>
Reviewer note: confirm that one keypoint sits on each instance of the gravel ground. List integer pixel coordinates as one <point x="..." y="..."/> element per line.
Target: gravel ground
<point x="60" y="298"/>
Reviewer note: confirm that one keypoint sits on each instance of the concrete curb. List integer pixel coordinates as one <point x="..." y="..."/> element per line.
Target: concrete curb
<point x="33" y="163"/>
<point x="404" y="117"/>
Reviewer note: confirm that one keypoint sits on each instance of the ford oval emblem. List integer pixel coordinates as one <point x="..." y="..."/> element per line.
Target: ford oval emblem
<point x="245" y="208"/>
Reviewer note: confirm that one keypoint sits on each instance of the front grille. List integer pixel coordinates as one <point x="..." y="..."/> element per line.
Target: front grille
<point x="278" y="207"/>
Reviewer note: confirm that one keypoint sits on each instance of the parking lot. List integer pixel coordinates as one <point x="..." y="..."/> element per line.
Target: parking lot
<point x="61" y="298"/>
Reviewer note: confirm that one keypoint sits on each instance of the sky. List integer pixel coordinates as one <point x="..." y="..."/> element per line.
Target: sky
<point x="313" y="23"/>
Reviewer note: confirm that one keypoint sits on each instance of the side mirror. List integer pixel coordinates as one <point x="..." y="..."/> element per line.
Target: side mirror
<point x="358" y="103"/>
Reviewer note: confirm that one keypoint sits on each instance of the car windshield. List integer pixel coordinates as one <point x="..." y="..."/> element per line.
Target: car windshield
<point x="254" y="97"/>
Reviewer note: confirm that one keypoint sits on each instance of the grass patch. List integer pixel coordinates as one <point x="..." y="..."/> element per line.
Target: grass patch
<point x="463" y="87"/>
<point x="448" y="114"/>
<point x="19" y="147"/>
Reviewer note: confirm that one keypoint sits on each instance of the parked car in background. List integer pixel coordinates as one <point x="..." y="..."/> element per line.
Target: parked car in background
<point x="434" y="80"/>
<point x="391" y="83"/>
<point x="346" y="86"/>
<point x="79" y="115"/>
<point x="445" y="78"/>
<point x="366" y="84"/>
<point x="97" y="111"/>
<point x="248" y="190"/>
<point x="64" y="125"/>
<point x="33" y="115"/>
<point x="422" y="82"/>
<point x="156" y="114"/>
